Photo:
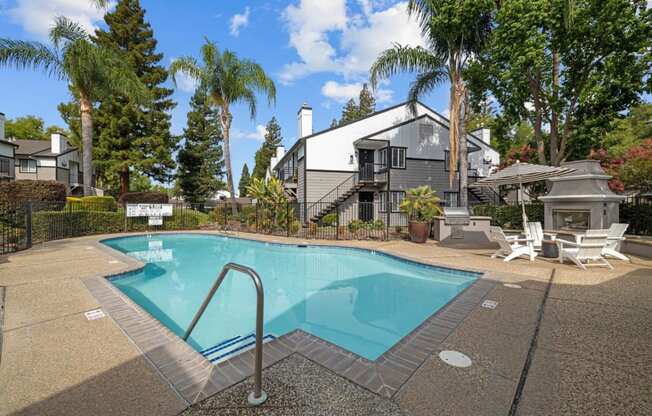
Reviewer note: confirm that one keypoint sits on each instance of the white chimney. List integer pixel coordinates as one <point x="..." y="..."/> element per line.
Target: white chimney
<point x="280" y="152"/>
<point x="304" y="121"/>
<point x="2" y="126"/>
<point x="484" y="134"/>
<point x="57" y="143"/>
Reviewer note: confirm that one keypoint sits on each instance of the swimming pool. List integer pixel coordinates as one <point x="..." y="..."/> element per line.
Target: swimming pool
<point x="360" y="300"/>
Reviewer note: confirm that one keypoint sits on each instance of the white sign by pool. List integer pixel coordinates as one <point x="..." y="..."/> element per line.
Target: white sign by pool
<point x="94" y="314"/>
<point x="149" y="210"/>
<point x="155" y="221"/>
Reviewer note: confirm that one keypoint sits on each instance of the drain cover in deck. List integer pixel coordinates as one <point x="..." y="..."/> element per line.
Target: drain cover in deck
<point x="455" y="358"/>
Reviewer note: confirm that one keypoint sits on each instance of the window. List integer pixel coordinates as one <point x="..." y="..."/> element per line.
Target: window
<point x="383" y="202"/>
<point x="398" y="157"/>
<point x="4" y="167"/>
<point x="450" y="199"/>
<point x="382" y="158"/>
<point x="27" y="166"/>
<point x="396" y="197"/>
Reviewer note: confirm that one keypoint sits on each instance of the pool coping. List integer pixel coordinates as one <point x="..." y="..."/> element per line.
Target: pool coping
<point x="194" y="378"/>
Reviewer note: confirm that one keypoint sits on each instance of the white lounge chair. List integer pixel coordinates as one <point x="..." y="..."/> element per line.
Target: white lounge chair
<point x="534" y="231"/>
<point x="588" y="252"/>
<point x="615" y="237"/>
<point x="510" y="247"/>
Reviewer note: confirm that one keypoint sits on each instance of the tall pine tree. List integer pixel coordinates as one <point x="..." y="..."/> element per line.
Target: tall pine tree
<point x="245" y="179"/>
<point x="353" y="111"/>
<point x="267" y="150"/>
<point x="200" y="159"/>
<point x="133" y="136"/>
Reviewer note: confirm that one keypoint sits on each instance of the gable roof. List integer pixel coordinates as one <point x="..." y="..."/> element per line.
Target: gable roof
<point x="31" y="147"/>
<point x="403" y="104"/>
<point x="40" y="148"/>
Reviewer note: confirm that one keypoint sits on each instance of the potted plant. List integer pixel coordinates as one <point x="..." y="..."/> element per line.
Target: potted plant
<point x="421" y="205"/>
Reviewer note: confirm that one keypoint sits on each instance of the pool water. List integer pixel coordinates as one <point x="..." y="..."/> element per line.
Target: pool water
<point x="360" y="300"/>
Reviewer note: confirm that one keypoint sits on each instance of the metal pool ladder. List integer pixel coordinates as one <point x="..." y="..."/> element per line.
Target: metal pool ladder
<point x="258" y="396"/>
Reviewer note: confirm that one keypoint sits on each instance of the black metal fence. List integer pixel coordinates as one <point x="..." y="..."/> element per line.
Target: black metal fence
<point x="318" y="220"/>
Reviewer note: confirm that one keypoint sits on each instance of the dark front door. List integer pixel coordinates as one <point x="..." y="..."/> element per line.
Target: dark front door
<point x="366" y="206"/>
<point x="366" y="163"/>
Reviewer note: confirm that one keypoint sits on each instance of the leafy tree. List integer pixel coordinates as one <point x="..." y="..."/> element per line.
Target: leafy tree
<point x="267" y="150"/>
<point x="30" y="128"/>
<point x="135" y="136"/>
<point x="630" y="130"/>
<point x="456" y="31"/>
<point x="200" y="159"/>
<point x="333" y="123"/>
<point x="230" y="80"/>
<point x="245" y="179"/>
<point x="92" y="71"/>
<point x="568" y="67"/>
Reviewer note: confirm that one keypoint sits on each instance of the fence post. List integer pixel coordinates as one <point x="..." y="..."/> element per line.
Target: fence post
<point x="287" y="217"/>
<point x="256" y="217"/>
<point x="337" y="221"/>
<point x="28" y="224"/>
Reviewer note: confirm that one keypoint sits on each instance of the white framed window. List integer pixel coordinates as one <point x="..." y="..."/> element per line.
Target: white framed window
<point x="398" y="157"/>
<point x="396" y="197"/>
<point x="451" y="199"/>
<point x="4" y="166"/>
<point x="382" y="198"/>
<point x="27" y="166"/>
<point x="382" y="158"/>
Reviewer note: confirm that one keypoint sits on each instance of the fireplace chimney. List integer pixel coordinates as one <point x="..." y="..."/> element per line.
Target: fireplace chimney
<point x="304" y="121"/>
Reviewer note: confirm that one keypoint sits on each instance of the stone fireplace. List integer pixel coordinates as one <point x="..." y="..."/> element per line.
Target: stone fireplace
<point x="581" y="200"/>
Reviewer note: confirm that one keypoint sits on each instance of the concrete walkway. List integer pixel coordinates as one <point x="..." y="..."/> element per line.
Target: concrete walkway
<point x="591" y="354"/>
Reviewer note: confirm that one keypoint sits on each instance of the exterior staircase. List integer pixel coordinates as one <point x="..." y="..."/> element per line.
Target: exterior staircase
<point x="364" y="177"/>
<point x="486" y="195"/>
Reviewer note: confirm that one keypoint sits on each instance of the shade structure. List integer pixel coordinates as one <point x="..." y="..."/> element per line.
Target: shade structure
<point x="520" y="173"/>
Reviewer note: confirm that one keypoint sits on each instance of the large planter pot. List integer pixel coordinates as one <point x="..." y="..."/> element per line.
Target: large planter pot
<point x="418" y="231"/>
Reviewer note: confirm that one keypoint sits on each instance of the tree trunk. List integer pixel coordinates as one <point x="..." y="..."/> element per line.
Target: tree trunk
<point x="124" y="181"/>
<point x="85" y="108"/>
<point x="463" y="148"/>
<point x="453" y="124"/>
<point x="225" y="118"/>
<point x="535" y="90"/>
<point x="554" y="113"/>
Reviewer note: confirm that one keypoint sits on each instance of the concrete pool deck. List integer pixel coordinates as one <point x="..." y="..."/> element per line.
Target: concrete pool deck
<point x="591" y="354"/>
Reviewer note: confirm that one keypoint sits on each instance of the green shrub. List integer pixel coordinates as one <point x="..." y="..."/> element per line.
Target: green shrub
<point x="329" y="220"/>
<point x="356" y="225"/>
<point x="377" y="225"/>
<point x="510" y="216"/>
<point x="92" y="203"/>
<point x="23" y="190"/>
<point x="143" y="198"/>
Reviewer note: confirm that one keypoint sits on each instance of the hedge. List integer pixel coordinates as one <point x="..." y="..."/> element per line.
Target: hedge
<point x="143" y="198"/>
<point x="92" y="203"/>
<point x="23" y="190"/>
<point x="510" y="216"/>
<point x="54" y="225"/>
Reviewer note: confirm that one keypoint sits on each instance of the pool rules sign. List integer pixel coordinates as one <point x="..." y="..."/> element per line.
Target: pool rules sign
<point x="154" y="212"/>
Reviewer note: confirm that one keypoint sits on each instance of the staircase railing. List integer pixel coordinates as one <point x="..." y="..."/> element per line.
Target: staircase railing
<point x="491" y="194"/>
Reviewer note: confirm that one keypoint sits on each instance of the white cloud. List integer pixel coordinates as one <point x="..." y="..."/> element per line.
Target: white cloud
<point x="258" y="135"/>
<point x="342" y="93"/>
<point x="239" y="21"/>
<point x="313" y="24"/>
<point x="37" y="16"/>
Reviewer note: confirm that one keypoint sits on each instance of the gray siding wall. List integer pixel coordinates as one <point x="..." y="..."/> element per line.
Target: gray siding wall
<point x="422" y="172"/>
<point x="322" y="182"/>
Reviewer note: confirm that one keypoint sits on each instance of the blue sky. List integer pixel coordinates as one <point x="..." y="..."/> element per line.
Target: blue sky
<point x="317" y="51"/>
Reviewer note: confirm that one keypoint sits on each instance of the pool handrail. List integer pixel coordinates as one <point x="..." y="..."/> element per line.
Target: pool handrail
<point x="258" y="396"/>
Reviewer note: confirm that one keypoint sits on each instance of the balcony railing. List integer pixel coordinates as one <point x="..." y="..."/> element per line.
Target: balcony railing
<point x="287" y="174"/>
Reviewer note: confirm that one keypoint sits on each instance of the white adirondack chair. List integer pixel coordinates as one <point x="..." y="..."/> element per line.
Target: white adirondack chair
<point x="615" y="237"/>
<point x="534" y="231"/>
<point x="586" y="253"/>
<point x="511" y="248"/>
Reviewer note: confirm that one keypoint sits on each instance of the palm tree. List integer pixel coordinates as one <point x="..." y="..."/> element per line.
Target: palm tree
<point x="230" y="80"/>
<point x="455" y="31"/>
<point x="92" y="72"/>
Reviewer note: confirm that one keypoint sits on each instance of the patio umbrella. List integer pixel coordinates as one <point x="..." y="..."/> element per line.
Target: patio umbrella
<point x="520" y="173"/>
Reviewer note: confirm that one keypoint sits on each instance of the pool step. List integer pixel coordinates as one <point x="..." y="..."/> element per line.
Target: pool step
<point x="225" y="349"/>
